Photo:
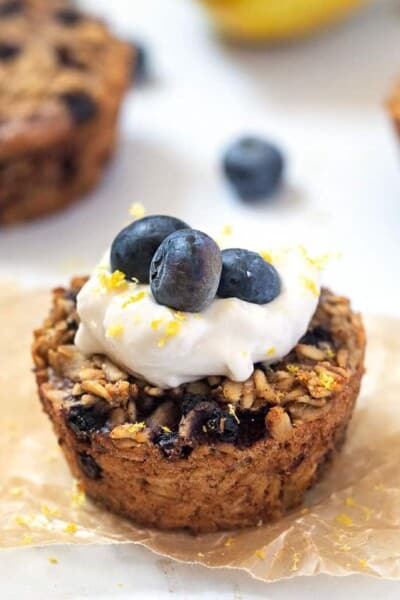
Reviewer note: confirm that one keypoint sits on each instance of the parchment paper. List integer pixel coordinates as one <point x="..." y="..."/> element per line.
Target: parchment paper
<point x="350" y="523"/>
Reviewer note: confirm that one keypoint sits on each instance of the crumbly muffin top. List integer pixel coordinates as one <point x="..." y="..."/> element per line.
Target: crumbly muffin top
<point x="97" y="397"/>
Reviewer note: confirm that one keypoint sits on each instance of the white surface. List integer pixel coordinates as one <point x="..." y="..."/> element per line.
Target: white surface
<point x="322" y="100"/>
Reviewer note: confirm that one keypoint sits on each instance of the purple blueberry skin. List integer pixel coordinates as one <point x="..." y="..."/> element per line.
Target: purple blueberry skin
<point x="134" y="247"/>
<point x="186" y="270"/>
<point x="254" y="167"/>
<point x="247" y="276"/>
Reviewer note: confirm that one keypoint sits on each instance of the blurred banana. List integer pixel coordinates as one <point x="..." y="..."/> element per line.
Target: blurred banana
<point x="257" y="20"/>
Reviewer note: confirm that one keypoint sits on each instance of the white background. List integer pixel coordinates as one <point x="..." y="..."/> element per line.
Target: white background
<point x="322" y="100"/>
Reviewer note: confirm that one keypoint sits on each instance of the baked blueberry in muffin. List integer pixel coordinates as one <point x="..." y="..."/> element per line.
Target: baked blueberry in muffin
<point x="211" y="404"/>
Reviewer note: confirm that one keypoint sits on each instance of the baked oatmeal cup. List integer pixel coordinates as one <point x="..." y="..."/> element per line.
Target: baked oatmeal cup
<point x="233" y="448"/>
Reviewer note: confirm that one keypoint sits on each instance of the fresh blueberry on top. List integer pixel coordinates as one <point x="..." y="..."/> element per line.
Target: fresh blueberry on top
<point x="246" y="275"/>
<point x="134" y="247"/>
<point x="140" y="63"/>
<point x="254" y="167"/>
<point x="186" y="270"/>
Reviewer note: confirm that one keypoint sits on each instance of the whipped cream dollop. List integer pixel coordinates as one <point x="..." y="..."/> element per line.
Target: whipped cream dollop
<point x="167" y="348"/>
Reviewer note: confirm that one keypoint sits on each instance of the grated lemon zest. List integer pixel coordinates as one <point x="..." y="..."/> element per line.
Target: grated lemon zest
<point x="344" y="519"/>
<point x="260" y="554"/>
<point x="53" y="560"/>
<point x="172" y="330"/>
<point x="267" y="256"/>
<point x="134" y="298"/>
<point x="115" y="330"/>
<point x="137" y="210"/>
<point x="113" y="282"/>
<point x="136" y="427"/>
<point x="49" y="512"/>
<point x="310" y="286"/>
<point x="156" y="323"/>
<point x="271" y="351"/>
<point x="70" y="528"/>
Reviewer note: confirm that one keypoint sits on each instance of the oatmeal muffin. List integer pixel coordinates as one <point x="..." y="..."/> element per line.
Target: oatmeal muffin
<point x="206" y="454"/>
<point x="62" y="79"/>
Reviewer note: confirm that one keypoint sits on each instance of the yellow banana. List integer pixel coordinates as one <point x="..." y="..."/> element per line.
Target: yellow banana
<point x="257" y="20"/>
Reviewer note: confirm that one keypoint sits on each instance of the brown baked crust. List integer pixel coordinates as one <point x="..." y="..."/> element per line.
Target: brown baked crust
<point x="62" y="79"/>
<point x="214" y="484"/>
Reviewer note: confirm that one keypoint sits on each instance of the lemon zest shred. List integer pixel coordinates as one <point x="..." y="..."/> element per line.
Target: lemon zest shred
<point x="310" y="286"/>
<point x="327" y="380"/>
<point x="136" y="427"/>
<point x="53" y="560"/>
<point x="267" y="256"/>
<point x="113" y="282"/>
<point x="155" y="324"/>
<point x="26" y="540"/>
<point x="350" y="501"/>
<point x="271" y="351"/>
<point x="115" y="330"/>
<point x="260" y="554"/>
<point x="70" y="528"/>
<point x="47" y="511"/>
<point x="165" y="429"/>
<point x="135" y="298"/>
<point x="172" y="329"/>
<point x="344" y="519"/>
<point x="137" y="210"/>
<point x="229" y="542"/>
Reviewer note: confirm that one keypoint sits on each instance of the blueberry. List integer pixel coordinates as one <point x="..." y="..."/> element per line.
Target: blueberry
<point x="246" y="275"/>
<point x="222" y="426"/>
<point x="89" y="466"/>
<point x="254" y="167"/>
<point x="8" y="51"/>
<point x="68" y="16"/>
<point x="316" y="335"/>
<point x="134" y="247"/>
<point x="185" y="271"/>
<point x="84" y="420"/>
<point x="66" y="58"/>
<point x="140" y="63"/>
<point x="81" y="106"/>
<point x="10" y="8"/>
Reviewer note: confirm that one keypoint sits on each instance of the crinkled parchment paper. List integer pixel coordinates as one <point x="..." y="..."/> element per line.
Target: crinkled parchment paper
<point x="350" y="524"/>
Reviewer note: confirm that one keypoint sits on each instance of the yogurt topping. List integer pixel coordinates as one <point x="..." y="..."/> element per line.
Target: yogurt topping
<point x="167" y="348"/>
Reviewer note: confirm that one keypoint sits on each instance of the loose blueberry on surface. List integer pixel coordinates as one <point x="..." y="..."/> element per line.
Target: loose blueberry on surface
<point x="254" y="167"/>
<point x="10" y="8"/>
<point x="140" y="63"/>
<point x="81" y="106"/>
<point x="246" y="275"/>
<point x="68" y="16"/>
<point x="185" y="271"/>
<point x="8" y="51"/>
<point x="134" y="247"/>
<point x="89" y="466"/>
